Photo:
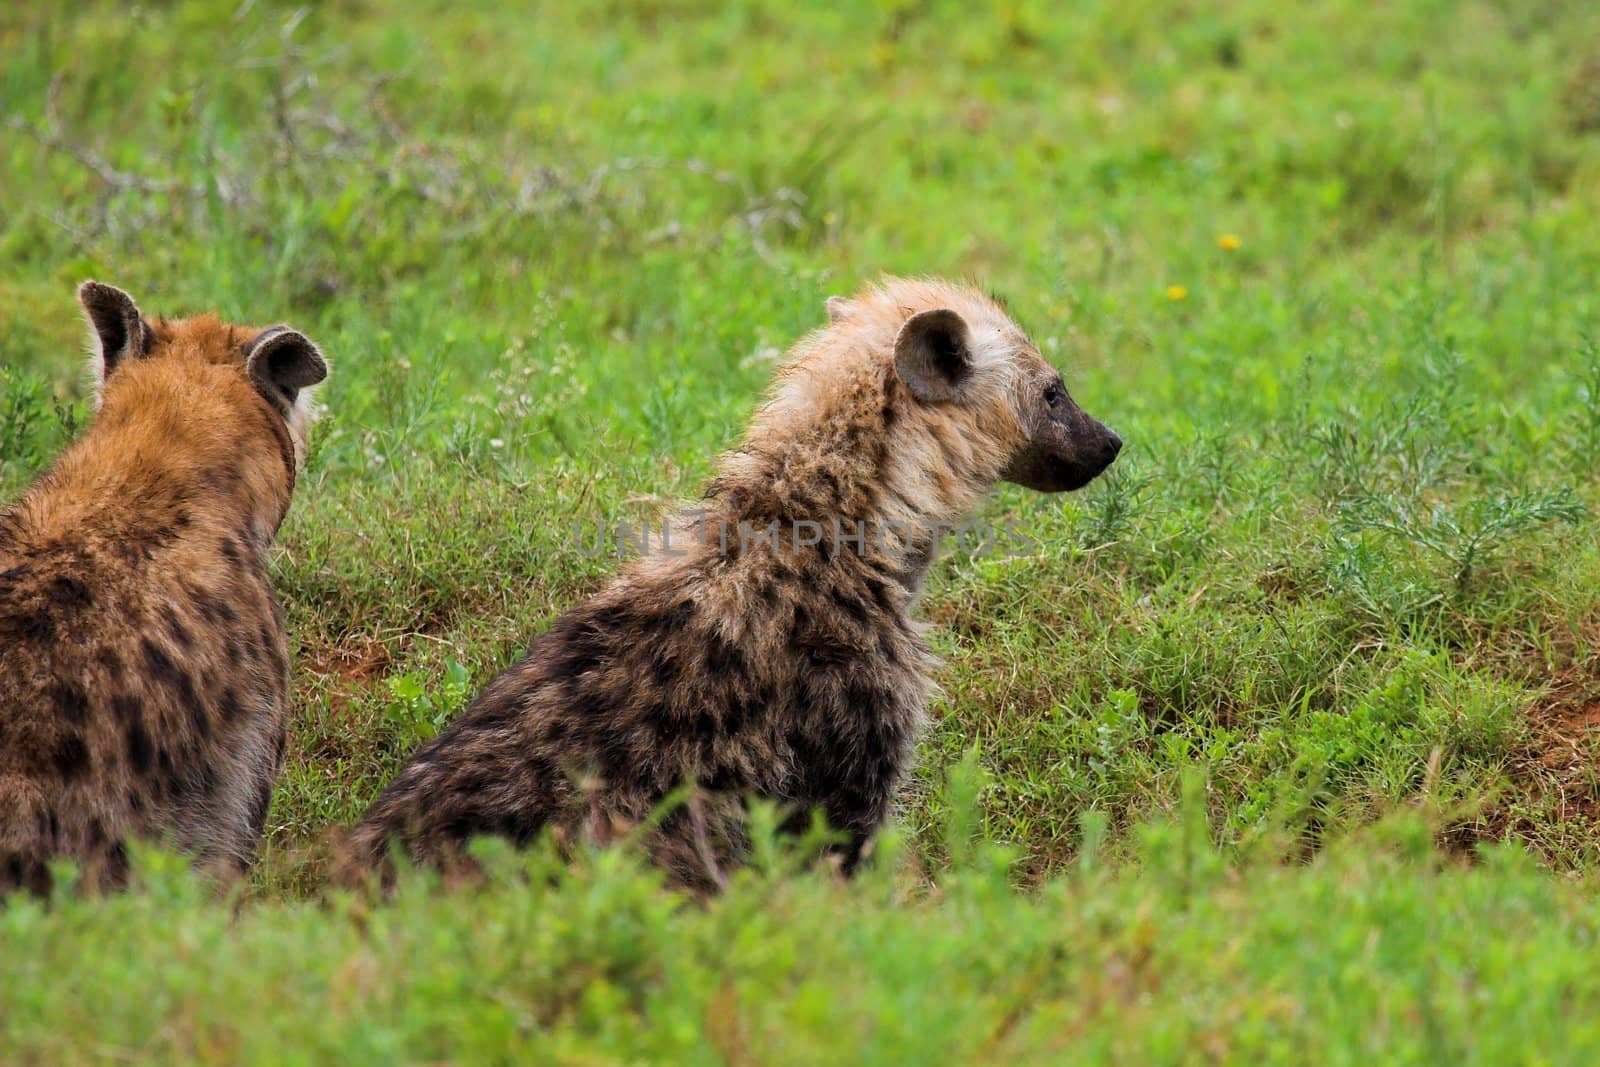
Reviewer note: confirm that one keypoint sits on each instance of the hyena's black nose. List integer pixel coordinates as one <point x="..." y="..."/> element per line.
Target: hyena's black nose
<point x="1113" y="443"/>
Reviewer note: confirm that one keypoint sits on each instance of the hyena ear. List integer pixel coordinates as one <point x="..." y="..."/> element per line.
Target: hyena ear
<point x="281" y="362"/>
<point x="933" y="355"/>
<point x="838" y="307"/>
<point x="119" y="330"/>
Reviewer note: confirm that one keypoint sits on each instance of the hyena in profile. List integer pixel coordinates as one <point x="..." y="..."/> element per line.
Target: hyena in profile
<point x="143" y="666"/>
<point x="770" y="650"/>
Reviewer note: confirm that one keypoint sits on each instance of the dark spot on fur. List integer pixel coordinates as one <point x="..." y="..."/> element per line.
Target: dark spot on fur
<point x="557" y="729"/>
<point x="175" y="628"/>
<point x="229" y="707"/>
<point x="212" y="608"/>
<point x="218" y="479"/>
<point x="860" y="697"/>
<point x="882" y="596"/>
<point x="69" y="703"/>
<point x="664" y="666"/>
<point x="273" y="649"/>
<point x="742" y="712"/>
<point x="35" y="627"/>
<point x="186" y="693"/>
<point x="116" y="868"/>
<point x="850" y="606"/>
<point x="162" y="669"/>
<point x="724" y="659"/>
<point x="158" y="663"/>
<point x="199" y="717"/>
<point x="611" y="618"/>
<point x="204" y="604"/>
<point x="140" y="752"/>
<point x="125" y="708"/>
<point x="71" y="593"/>
<point x="888" y="402"/>
<point x="582" y="651"/>
<point x="820" y="643"/>
<point x="29" y="873"/>
<point x="71" y="756"/>
<point x="703" y="725"/>
<point x="166" y="781"/>
<point x="111" y="660"/>
<point x="800" y="625"/>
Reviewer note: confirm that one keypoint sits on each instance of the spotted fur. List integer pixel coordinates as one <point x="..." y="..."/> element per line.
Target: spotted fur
<point x="143" y="664"/>
<point x="762" y="666"/>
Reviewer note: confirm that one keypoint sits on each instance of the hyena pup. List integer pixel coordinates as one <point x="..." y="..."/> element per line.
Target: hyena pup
<point x="777" y="666"/>
<point x="143" y="666"/>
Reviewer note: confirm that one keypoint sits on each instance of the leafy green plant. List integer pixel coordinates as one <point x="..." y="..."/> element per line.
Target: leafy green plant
<point x="34" y="424"/>
<point x="1466" y="537"/>
<point x="419" y="712"/>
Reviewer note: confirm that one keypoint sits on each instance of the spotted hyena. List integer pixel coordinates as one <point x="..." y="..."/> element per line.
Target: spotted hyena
<point x="769" y="649"/>
<point x="143" y="666"/>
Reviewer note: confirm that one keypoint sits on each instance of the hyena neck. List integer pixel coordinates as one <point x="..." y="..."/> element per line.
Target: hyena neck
<point x="808" y="504"/>
<point x="858" y="469"/>
<point x="124" y="480"/>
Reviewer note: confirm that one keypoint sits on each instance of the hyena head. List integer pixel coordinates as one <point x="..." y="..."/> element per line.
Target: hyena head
<point x="234" y="385"/>
<point x="975" y="388"/>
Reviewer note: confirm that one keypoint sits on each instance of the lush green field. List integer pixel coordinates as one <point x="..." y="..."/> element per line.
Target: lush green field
<point x="1330" y="271"/>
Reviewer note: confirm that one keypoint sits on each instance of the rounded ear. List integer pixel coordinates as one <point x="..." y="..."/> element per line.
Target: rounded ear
<point x="281" y="362"/>
<point x="933" y="355"/>
<point x="119" y="330"/>
<point x="838" y="307"/>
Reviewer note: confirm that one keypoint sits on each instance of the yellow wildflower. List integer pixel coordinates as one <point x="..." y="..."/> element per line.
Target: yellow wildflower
<point x="1177" y="292"/>
<point x="1228" y="242"/>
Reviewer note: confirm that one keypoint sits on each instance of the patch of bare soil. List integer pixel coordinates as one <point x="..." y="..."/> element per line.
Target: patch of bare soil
<point x="1564" y="748"/>
<point x="1552" y="802"/>
<point x="358" y="664"/>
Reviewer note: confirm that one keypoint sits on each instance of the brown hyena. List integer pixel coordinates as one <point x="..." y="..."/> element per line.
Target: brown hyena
<point x="143" y="665"/>
<point x="769" y="648"/>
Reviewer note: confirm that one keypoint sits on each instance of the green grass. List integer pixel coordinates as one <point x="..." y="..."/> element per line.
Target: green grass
<point x="1344" y="572"/>
<point x="1372" y="952"/>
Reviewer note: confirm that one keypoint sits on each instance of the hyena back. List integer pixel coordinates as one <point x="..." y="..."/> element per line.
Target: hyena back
<point x="143" y="661"/>
<point x="783" y="664"/>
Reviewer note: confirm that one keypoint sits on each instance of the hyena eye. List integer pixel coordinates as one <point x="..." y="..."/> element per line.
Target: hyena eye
<point x="1054" y="394"/>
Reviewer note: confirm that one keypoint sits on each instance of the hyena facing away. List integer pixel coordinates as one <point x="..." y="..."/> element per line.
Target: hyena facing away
<point x="143" y="665"/>
<point x="776" y="665"/>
